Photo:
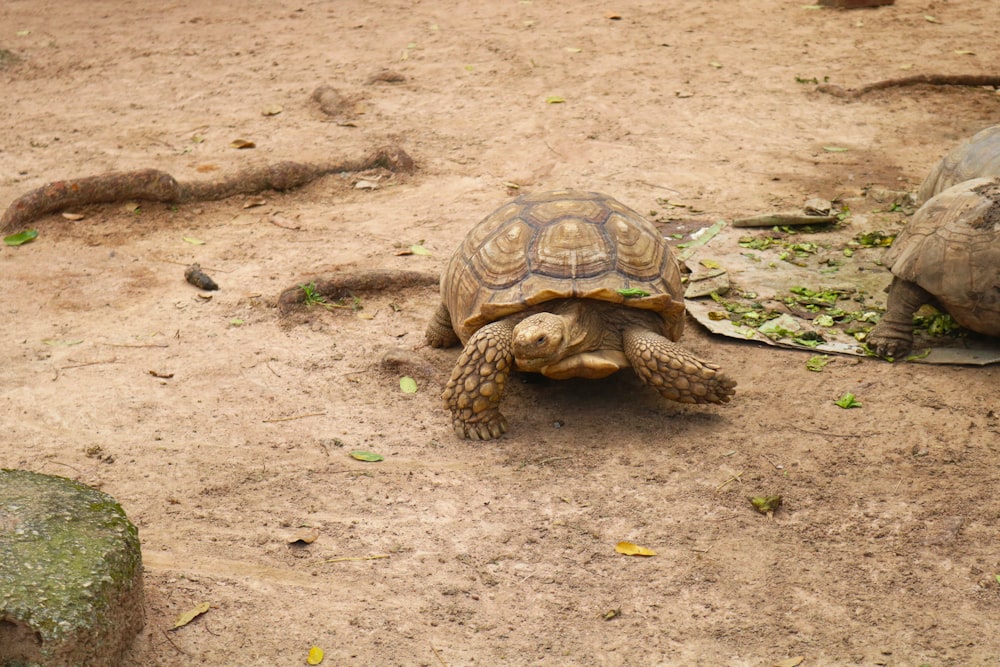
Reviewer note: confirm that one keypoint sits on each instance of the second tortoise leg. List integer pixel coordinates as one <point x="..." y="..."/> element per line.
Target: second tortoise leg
<point x="673" y="371"/>
<point x="893" y="335"/>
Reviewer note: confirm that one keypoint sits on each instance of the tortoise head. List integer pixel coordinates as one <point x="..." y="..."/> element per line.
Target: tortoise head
<point x="540" y="340"/>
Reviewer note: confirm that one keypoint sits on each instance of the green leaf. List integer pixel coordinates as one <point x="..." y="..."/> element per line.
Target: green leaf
<point x="193" y="241"/>
<point x="765" y="504"/>
<point x="633" y="293"/>
<point x="817" y="362"/>
<point x="848" y="400"/>
<point x="371" y="457"/>
<point x="21" y="237"/>
<point x="418" y="249"/>
<point x="835" y="149"/>
<point x="554" y="99"/>
<point x="408" y="385"/>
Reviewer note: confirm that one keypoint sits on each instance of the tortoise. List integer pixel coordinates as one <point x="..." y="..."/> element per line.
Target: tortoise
<point x="567" y="284"/>
<point x="976" y="157"/>
<point x="948" y="255"/>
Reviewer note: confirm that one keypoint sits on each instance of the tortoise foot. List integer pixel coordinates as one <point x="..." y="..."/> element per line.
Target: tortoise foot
<point x="674" y="372"/>
<point x="887" y="340"/>
<point x="477" y="383"/>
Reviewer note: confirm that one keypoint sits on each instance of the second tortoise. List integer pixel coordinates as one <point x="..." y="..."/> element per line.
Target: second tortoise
<point x="566" y="284"/>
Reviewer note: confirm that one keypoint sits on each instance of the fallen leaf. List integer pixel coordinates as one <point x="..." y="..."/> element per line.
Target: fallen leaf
<point x="610" y="614"/>
<point x="254" y="202"/>
<point x="629" y="549"/>
<point x="236" y="322"/>
<point x="710" y="264"/>
<point x="272" y="110"/>
<point x="573" y="49"/>
<point x="315" y="656"/>
<point x="370" y="457"/>
<point x="21" y="237"/>
<point x="633" y="293"/>
<point x="73" y="216"/>
<point x="613" y="16"/>
<point x="193" y="241"/>
<point x="366" y="185"/>
<point x="191" y="614"/>
<point x="790" y="662"/>
<point x="848" y="400"/>
<point x="716" y="65"/>
<point x="962" y="52"/>
<point x="61" y="342"/>
<point x="931" y="19"/>
<point x="766" y="504"/>
<point x="304" y="536"/>
<point x="162" y="376"/>
<point x="835" y="149"/>
<point x="242" y="143"/>
<point x="817" y="362"/>
<point x="419" y="249"/>
<point x="555" y="99"/>
<point x="408" y="385"/>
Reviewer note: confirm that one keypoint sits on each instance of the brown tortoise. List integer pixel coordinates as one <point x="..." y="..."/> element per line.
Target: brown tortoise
<point x="949" y="255"/>
<point x="566" y="284"/>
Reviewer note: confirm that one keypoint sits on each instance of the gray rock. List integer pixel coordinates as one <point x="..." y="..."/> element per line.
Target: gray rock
<point x="70" y="573"/>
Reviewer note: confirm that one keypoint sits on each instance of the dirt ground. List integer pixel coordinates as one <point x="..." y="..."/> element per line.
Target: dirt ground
<point x="224" y="428"/>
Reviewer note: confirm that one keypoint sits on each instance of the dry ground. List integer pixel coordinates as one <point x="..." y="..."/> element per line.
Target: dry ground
<point x="885" y="552"/>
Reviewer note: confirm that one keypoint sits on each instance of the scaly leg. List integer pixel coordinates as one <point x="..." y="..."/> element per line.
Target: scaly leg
<point x="673" y="371"/>
<point x="893" y="335"/>
<point x="477" y="383"/>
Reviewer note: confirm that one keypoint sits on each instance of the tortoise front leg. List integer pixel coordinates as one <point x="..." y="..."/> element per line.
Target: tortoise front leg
<point x="893" y="335"/>
<point x="673" y="371"/>
<point x="477" y="383"/>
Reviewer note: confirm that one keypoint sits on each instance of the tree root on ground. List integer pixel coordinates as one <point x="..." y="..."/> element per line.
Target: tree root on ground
<point x="349" y="284"/>
<point x="159" y="186"/>
<point x="929" y="79"/>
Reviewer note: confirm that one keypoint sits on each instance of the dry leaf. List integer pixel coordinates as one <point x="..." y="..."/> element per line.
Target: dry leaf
<point x="191" y="614"/>
<point x="629" y="549"/>
<point x="73" y="216"/>
<point x="242" y="143"/>
<point x="272" y="110"/>
<point x="162" y="376"/>
<point x="315" y="656"/>
<point x="254" y="201"/>
<point x="790" y="662"/>
<point x="304" y="536"/>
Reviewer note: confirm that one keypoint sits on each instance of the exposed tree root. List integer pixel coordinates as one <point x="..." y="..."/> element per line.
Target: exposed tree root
<point x="349" y="284"/>
<point x="929" y="79"/>
<point x="159" y="186"/>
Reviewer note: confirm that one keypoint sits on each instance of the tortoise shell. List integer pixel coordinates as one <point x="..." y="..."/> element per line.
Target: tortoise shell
<point x="951" y="248"/>
<point x="977" y="157"/>
<point x="564" y="244"/>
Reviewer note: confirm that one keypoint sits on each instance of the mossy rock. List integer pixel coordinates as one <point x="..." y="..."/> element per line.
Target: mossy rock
<point x="70" y="573"/>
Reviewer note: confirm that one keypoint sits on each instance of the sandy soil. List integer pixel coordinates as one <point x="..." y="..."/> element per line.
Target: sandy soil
<point x="224" y="428"/>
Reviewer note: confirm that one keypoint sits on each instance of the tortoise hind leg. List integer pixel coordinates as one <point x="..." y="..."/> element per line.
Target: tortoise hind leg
<point x="673" y="371"/>
<point x="439" y="331"/>
<point x="478" y="380"/>
<point x="893" y="335"/>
